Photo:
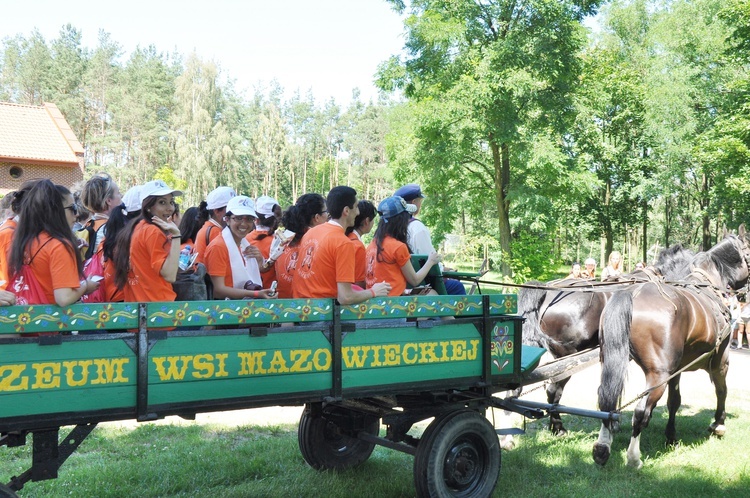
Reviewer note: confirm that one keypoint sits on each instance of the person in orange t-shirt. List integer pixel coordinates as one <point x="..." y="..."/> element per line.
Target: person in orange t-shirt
<point x="307" y="212"/>
<point x="148" y="248"/>
<point x="362" y="225"/>
<point x="388" y="257"/>
<point x="118" y="219"/>
<point x="8" y="228"/>
<point x="232" y="267"/>
<point x="325" y="263"/>
<point x="212" y="210"/>
<point x="268" y="213"/>
<point x="44" y="241"/>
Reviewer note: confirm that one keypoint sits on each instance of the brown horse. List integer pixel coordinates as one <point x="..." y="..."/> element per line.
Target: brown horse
<point x="566" y="320"/>
<point x="667" y="329"/>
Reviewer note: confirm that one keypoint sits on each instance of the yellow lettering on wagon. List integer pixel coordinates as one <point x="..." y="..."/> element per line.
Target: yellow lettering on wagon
<point x="391" y="353"/>
<point x="301" y="360"/>
<point x="322" y="360"/>
<point x="47" y="375"/>
<point x="278" y="363"/>
<point x="110" y="371"/>
<point x="251" y="363"/>
<point x="471" y="354"/>
<point x="172" y="371"/>
<point x="222" y="369"/>
<point x="203" y="364"/>
<point x="354" y="357"/>
<point x="427" y="352"/>
<point x="11" y="379"/>
<point x="411" y="346"/>
<point x="70" y="372"/>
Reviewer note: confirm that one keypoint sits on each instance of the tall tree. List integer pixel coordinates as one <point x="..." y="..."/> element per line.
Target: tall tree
<point x="485" y="72"/>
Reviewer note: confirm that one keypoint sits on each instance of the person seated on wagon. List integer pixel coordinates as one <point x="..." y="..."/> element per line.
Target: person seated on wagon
<point x="190" y="224"/>
<point x="639" y="266"/>
<point x="309" y="211"/>
<point x="132" y="201"/>
<point x="589" y="271"/>
<point x="325" y="265"/>
<point x="234" y="274"/>
<point x="363" y="224"/>
<point x="100" y="195"/>
<point x="575" y="271"/>
<point x="613" y="269"/>
<point x="388" y="256"/>
<point x="419" y="238"/>
<point x="44" y="266"/>
<point x="8" y="227"/>
<point x="268" y="213"/>
<point x="147" y="250"/>
<point x="213" y="210"/>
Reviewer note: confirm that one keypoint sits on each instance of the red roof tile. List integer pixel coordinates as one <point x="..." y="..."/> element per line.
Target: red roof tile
<point x="37" y="133"/>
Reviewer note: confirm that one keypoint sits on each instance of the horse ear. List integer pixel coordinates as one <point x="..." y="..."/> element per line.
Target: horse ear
<point x="726" y="232"/>
<point x="742" y="231"/>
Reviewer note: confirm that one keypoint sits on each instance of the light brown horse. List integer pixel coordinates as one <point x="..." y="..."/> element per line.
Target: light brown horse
<point x="667" y="328"/>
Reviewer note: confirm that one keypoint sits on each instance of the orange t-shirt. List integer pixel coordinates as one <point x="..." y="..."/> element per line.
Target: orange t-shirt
<point x="200" y="240"/>
<point x="360" y="261"/>
<point x="53" y="264"/>
<point x="149" y="249"/>
<point x="264" y="244"/>
<point x="394" y="255"/>
<point x="7" y="229"/>
<point x="326" y="257"/>
<point x="285" y="267"/>
<point x="217" y="261"/>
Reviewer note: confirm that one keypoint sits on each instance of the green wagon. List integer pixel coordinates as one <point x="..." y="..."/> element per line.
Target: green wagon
<point x="390" y="361"/>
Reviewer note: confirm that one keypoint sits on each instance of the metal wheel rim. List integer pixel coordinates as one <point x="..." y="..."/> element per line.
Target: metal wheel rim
<point x="464" y="464"/>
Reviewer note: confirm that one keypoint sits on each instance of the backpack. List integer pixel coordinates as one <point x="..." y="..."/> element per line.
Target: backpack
<point x="191" y="285"/>
<point x="92" y="230"/>
<point x="94" y="266"/>
<point x="26" y="286"/>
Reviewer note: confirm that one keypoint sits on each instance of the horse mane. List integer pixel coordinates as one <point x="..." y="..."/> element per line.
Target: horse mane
<point x="529" y="303"/>
<point x="674" y="262"/>
<point x="726" y="259"/>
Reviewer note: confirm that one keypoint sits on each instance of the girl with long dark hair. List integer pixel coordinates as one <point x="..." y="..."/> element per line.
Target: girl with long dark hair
<point x="309" y="211"/>
<point x="147" y="250"/>
<point x="44" y="241"/>
<point x="388" y="256"/>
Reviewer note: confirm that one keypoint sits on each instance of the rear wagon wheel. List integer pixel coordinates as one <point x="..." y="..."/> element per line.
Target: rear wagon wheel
<point x="458" y="456"/>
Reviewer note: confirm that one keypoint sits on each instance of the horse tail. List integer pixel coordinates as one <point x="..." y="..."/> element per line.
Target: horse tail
<point x="529" y="305"/>
<point x="614" y="340"/>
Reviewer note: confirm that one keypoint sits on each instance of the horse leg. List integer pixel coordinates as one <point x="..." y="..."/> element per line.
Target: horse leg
<point x="554" y="393"/>
<point x="603" y="445"/>
<point x="718" y="375"/>
<point x="641" y="418"/>
<point x="674" y="400"/>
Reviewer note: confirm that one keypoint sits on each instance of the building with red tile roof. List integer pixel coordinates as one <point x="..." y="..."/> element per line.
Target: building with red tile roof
<point x="37" y="142"/>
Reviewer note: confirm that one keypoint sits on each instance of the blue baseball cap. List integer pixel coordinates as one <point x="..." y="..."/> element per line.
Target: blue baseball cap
<point x="410" y="192"/>
<point x="393" y="206"/>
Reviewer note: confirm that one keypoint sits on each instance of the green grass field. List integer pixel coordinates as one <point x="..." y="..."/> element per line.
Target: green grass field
<point x="218" y="461"/>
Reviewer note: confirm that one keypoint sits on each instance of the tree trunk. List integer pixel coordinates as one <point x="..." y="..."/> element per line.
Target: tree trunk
<point x="501" y="160"/>
<point x="706" y="243"/>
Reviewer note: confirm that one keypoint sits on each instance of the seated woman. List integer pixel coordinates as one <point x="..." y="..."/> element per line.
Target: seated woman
<point x="268" y="213"/>
<point x="148" y="248"/>
<point x="309" y="211"/>
<point x="213" y="210"/>
<point x="388" y="256"/>
<point x="613" y="268"/>
<point x="225" y="259"/>
<point x="575" y="271"/>
<point x="44" y="265"/>
<point x="589" y="272"/>
<point x="190" y="224"/>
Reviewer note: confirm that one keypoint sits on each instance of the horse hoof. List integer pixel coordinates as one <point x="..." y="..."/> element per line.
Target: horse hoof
<point x="635" y="464"/>
<point x="558" y="431"/>
<point x="507" y="443"/>
<point x="717" y="429"/>
<point x="601" y="454"/>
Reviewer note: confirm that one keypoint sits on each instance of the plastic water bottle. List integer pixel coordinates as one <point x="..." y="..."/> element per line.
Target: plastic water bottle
<point x="185" y="258"/>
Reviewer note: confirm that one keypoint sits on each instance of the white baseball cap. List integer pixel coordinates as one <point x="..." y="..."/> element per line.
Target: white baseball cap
<point x="156" y="188"/>
<point x="219" y="197"/>
<point x="241" y="205"/>
<point x="132" y="199"/>
<point x="264" y="205"/>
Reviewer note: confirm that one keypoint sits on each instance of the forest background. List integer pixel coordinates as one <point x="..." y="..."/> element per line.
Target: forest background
<point x="540" y="136"/>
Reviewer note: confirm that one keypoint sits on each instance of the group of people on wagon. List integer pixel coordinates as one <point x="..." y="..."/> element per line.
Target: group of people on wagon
<point x="132" y="247"/>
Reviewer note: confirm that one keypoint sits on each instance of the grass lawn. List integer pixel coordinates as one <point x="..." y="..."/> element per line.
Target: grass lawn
<point x="219" y="461"/>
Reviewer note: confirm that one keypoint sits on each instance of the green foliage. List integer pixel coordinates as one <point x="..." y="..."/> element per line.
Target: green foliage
<point x="533" y="258"/>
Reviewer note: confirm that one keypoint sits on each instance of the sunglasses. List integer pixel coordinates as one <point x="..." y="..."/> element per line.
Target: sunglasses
<point x="73" y="208"/>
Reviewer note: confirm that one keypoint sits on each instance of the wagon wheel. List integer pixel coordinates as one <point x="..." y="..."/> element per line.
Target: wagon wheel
<point x="6" y="492"/>
<point x="324" y="446"/>
<point x="458" y="455"/>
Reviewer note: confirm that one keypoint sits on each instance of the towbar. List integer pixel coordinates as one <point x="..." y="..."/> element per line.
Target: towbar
<point x="521" y="406"/>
